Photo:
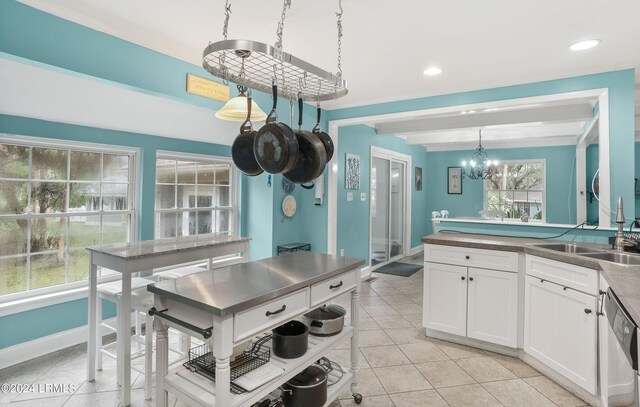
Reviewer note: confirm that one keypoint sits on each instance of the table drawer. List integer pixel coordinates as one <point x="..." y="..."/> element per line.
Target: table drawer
<point x="465" y="256"/>
<point x="564" y="274"/>
<point x="262" y="317"/>
<point x="320" y="292"/>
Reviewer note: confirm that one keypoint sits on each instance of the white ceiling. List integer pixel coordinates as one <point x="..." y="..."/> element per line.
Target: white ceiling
<point x="387" y="44"/>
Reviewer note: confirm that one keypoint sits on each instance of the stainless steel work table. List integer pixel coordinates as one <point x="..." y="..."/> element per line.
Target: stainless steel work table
<point x="229" y="305"/>
<point x="130" y="258"/>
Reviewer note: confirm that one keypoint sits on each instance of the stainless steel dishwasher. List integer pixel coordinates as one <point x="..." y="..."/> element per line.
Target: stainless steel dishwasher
<point x="622" y="355"/>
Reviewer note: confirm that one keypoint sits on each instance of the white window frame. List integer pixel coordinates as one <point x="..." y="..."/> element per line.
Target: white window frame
<point x="544" y="190"/>
<point x="74" y="288"/>
<point x="233" y="187"/>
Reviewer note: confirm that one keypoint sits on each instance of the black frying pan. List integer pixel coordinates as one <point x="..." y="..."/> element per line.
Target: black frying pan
<point x="312" y="156"/>
<point x="242" y="148"/>
<point x="275" y="146"/>
<point x="324" y="137"/>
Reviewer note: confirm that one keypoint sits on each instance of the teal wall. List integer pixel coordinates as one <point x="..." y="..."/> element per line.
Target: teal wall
<point x="560" y="181"/>
<point x="621" y="114"/>
<point x="353" y="217"/>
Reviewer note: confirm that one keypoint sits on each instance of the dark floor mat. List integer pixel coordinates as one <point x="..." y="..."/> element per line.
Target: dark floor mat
<point x="399" y="269"/>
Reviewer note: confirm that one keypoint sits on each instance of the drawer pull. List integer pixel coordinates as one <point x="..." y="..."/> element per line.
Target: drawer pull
<point x="470" y="278"/>
<point x="467" y="257"/>
<point x="269" y="313"/>
<point x="333" y="287"/>
<point x="587" y="311"/>
<point x="462" y="278"/>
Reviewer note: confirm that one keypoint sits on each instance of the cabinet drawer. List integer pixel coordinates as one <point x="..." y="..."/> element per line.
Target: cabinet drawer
<point x="480" y="258"/>
<point x="261" y="317"/>
<point x="320" y="292"/>
<point x="564" y="274"/>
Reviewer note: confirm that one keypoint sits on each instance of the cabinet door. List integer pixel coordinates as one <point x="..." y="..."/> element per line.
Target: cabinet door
<point x="560" y="330"/>
<point x="492" y="314"/>
<point x="445" y="298"/>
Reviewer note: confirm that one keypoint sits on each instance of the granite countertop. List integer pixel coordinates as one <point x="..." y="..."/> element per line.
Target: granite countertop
<point x="241" y="286"/>
<point x="623" y="280"/>
<point x="145" y="248"/>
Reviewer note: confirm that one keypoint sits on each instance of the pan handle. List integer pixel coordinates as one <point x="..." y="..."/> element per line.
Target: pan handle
<point x="247" y="125"/>
<point x="317" y="128"/>
<point x="273" y="115"/>
<point x="300" y="104"/>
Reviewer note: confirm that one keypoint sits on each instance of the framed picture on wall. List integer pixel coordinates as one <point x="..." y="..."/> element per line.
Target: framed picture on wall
<point x="418" y="179"/>
<point x="352" y="171"/>
<point x="454" y="180"/>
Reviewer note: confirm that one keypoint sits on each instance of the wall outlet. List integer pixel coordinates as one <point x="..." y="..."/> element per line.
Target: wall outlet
<point x="363" y="196"/>
<point x="349" y="196"/>
<point x="341" y="252"/>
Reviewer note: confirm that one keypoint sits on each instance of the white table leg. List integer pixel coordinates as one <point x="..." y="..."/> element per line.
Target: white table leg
<point x="162" y="362"/>
<point x="355" y="350"/>
<point x="222" y="350"/>
<point x="245" y="253"/>
<point x="91" y="320"/>
<point x="124" y="338"/>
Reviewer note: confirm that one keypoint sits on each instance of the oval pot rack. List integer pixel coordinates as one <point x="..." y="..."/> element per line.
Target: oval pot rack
<point x="257" y="65"/>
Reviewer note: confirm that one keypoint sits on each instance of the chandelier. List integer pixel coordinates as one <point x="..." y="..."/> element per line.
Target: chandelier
<point x="480" y="167"/>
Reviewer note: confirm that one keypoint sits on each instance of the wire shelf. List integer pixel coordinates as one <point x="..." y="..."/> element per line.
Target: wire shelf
<point x="202" y="361"/>
<point x="262" y="65"/>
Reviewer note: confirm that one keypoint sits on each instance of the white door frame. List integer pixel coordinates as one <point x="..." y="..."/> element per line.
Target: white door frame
<point x="334" y="126"/>
<point x="406" y="160"/>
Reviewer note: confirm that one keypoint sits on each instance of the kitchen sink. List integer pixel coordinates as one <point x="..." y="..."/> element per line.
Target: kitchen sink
<point x="618" y="258"/>
<point x="568" y="248"/>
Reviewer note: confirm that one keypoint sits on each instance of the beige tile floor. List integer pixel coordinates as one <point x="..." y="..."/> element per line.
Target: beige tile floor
<point x="399" y="365"/>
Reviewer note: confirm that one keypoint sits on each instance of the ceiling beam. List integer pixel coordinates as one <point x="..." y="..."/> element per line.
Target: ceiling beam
<point x="497" y="133"/>
<point x="540" y="142"/>
<point x="577" y="112"/>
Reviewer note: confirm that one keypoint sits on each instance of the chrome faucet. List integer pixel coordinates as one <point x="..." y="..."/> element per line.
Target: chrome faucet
<point x="621" y="241"/>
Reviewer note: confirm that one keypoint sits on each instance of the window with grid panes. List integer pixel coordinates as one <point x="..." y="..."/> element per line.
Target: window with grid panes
<point x="194" y="196"/>
<point x="517" y="189"/>
<point x="54" y="202"/>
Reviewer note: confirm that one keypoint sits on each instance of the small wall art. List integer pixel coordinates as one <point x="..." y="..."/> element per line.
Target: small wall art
<point x="454" y="180"/>
<point x="418" y="179"/>
<point x="352" y="171"/>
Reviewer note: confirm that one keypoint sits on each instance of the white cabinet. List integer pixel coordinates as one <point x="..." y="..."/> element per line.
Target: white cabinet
<point x="560" y="330"/>
<point x="492" y="311"/>
<point x="445" y="298"/>
<point x="478" y="303"/>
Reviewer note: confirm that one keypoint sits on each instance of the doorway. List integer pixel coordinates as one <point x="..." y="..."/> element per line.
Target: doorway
<point x="389" y="207"/>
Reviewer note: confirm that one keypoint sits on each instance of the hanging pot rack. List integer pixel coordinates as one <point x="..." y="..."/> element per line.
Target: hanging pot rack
<point x="257" y="65"/>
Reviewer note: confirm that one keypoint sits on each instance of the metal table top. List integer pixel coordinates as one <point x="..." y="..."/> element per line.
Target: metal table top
<point x="146" y="248"/>
<point x="242" y="286"/>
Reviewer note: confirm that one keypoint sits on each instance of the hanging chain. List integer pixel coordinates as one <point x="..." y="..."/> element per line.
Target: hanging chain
<point x="285" y="6"/>
<point x="339" y="15"/>
<point x="227" y="14"/>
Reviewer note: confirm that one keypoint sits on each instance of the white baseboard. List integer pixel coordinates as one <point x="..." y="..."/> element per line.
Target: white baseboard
<point x="415" y="250"/>
<point x="38" y="347"/>
<point x="365" y="273"/>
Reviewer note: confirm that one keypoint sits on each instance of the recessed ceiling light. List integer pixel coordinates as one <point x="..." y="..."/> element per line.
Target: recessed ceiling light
<point x="434" y="70"/>
<point x="582" y="45"/>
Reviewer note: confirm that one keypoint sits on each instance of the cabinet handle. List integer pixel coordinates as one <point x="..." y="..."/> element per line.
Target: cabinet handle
<point x="467" y="257"/>
<point x="587" y="311"/>
<point x="601" y="312"/>
<point x="542" y="280"/>
<point x="269" y="313"/>
<point x="470" y="278"/>
<point x="331" y="287"/>
<point x="462" y="278"/>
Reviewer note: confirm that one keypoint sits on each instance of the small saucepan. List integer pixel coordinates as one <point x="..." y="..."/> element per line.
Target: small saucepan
<point x="325" y="321"/>
<point x="309" y="387"/>
<point x="290" y="340"/>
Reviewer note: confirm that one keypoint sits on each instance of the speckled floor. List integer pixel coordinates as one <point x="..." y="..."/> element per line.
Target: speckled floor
<point x="399" y="365"/>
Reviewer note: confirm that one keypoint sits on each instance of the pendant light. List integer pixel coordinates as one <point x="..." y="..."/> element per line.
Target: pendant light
<point x="480" y="166"/>
<point x="235" y="110"/>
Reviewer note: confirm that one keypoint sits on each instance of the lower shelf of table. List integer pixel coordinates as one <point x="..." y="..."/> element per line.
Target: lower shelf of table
<point x="196" y="390"/>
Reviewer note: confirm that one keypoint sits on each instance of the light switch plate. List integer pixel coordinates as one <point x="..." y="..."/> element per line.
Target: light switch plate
<point x="349" y="196"/>
<point x="363" y="196"/>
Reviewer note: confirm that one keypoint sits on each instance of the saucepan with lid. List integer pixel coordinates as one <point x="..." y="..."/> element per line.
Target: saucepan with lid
<point x="325" y="321"/>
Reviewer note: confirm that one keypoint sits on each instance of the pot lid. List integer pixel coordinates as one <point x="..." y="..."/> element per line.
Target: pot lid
<point x="309" y="377"/>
